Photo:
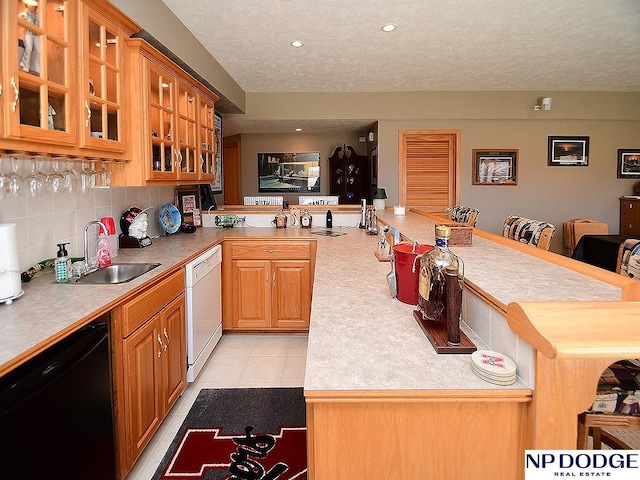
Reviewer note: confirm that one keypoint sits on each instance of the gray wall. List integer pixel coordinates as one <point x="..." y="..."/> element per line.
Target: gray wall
<point x="252" y="144"/>
<point x="495" y="120"/>
<point x="554" y="194"/>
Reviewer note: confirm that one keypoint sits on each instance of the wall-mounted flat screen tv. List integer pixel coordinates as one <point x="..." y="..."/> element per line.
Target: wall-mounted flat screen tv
<point x="289" y="172"/>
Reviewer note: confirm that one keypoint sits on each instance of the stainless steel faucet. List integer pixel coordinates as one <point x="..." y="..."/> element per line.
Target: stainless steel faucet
<point x="88" y="267"/>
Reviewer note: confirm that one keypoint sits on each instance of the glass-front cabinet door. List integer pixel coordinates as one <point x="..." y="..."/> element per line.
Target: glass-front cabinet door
<point x="187" y="132"/>
<point x="38" y="86"/>
<point x="164" y="156"/>
<point x="208" y="141"/>
<point x="3" y="92"/>
<point x="101" y="77"/>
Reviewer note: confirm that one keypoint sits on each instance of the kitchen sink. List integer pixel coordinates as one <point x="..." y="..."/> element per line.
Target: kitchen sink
<point x="116" y="273"/>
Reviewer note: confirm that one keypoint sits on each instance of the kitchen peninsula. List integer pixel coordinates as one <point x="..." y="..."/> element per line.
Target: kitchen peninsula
<point x="380" y="402"/>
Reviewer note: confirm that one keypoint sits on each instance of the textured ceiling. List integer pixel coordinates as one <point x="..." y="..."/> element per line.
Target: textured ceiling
<point x="455" y="45"/>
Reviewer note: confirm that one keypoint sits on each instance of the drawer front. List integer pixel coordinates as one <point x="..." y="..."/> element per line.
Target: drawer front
<point x="146" y="304"/>
<point x="294" y="250"/>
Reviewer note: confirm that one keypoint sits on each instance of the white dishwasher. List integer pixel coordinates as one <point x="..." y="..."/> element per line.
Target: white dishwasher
<point x="204" y="308"/>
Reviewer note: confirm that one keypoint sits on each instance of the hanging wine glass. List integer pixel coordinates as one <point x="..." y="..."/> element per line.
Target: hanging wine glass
<point x="41" y="175"/>
<point x="4" y="182"/>
<point x="55" y="180"/>
<point x="33" y="183"/>
<point x="69" y="176"/>
<point x="88" y="176"/>
<point x="104" y="176"/>
<point x="16" y="182"/>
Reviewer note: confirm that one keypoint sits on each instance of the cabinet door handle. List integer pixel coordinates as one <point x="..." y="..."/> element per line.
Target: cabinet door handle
<point x="271" y="250"/>
<point x="166" y="335"/>
<point x="162" y="346"/>
<point x="266" y="278"/>
<point x="274" y="279"/>
<point x="86" y="105"/>
<point x="16" y="93"/>
<point x="0" y="89"/>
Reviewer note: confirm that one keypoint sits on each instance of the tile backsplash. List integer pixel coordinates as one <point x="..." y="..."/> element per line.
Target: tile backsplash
<point x="49" y="219"/>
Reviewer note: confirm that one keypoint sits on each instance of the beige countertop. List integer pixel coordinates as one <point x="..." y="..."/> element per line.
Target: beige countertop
<point x="507" y="274"/>
<point x="360" y="338"/>
<point x="47" y="309"/>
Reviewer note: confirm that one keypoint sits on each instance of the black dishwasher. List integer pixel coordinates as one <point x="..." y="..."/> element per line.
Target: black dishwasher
<point x="56" y="418"/>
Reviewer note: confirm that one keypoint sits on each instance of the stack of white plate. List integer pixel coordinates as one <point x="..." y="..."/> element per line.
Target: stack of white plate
<point x="493" y="367"/>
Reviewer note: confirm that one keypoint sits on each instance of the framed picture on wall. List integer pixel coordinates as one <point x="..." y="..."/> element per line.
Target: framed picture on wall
<point x="629" y="163"/>
<point x="374" y="167"/>
<point x="494" y="167"/>
<point x="568" y="151"/>
<point x="216" y="185"/>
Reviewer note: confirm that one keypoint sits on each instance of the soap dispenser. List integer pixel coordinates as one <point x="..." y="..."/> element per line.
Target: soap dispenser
<point x="104" y="257"/>
<point x="62" y="263"/>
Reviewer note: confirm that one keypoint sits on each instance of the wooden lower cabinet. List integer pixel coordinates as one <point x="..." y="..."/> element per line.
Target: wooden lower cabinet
<point x="291" y="294"/>
<point x="453" y="435"/>
<point x="629" y="216"/>
<point x="268" y="285"/>
<point x="152" y="356"/>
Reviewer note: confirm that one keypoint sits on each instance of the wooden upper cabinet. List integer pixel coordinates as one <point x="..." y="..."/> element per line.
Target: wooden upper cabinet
<point x="160" y="154"/>
<point x="38" y="86"/>
<point x="61" y="86"/>
<point x="210" y="141"/>
<point x="3" y="92"/>
<point x="187" y="149"/>
<point x="101" y="42"/>
<point x="166" y="106"/>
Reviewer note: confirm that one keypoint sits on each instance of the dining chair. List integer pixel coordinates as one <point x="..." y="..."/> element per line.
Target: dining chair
<point x="573" y="230"/>
<point x="526" y="230"/>
<point x="616" y="407"/>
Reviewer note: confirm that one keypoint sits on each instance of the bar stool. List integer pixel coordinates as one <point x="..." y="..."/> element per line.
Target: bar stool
<point x="466" y="215"/>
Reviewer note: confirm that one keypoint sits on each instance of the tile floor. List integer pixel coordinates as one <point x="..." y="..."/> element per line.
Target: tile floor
<point x="238" y="361"/>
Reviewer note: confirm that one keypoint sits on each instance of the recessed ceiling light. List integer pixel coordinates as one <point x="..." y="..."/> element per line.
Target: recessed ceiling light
<point x="389" y="27"/>
<point x="297" y="43"/>
<point x="298" y="129"/>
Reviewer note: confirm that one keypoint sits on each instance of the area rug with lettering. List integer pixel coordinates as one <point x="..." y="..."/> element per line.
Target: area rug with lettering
<point x="238" y="434"/>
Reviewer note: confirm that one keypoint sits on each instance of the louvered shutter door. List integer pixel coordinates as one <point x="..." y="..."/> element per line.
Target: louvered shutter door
<point x="427" y="170"/>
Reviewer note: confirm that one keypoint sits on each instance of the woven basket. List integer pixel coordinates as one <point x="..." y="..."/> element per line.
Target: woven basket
<point x="461" y="235"/>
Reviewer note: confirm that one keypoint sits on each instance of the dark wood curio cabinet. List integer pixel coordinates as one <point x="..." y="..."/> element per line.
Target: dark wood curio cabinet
<point x="349" y="175"/>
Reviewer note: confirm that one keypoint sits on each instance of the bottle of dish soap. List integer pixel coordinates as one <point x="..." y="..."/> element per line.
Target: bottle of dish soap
<point x="104" y="257"/>
<point x="62" y="263"/>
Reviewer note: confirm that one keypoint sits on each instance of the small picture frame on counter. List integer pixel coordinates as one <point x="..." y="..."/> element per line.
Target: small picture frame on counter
<point x="187" y="200"/>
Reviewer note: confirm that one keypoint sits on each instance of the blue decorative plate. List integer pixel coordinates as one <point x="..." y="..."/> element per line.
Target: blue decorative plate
<point x="169" y="218"/>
